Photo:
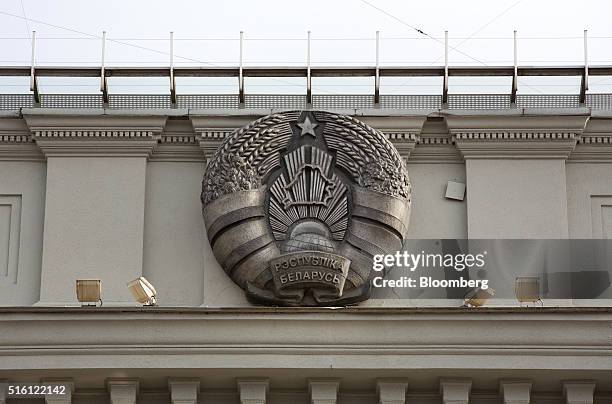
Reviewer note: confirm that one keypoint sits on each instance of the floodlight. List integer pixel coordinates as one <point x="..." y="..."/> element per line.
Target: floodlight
<point x="527" y="289"/>
<point x="89" y="291"/>
<point x="143" y="291"/>
<point x="478" y="297"/>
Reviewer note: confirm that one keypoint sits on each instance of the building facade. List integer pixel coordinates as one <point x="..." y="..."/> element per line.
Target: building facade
<point x="114" y="194"/>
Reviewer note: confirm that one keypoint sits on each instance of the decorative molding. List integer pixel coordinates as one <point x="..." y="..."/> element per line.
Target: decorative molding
<point x="402" y="136"/>
<point x="593" y="147"/>
<point x="123" y="391"/>
<point x="253" y="391"/>
<point x="186" y="152"/>
<point x="435" y="148"/>
<point x="455" y="391"/>
<point x="184" y="391"/>
<point x="15" y="138"/>
<point x="404" y="142"/>
<point x="435" y="140"/>
<point x="214" y="134"/>
<point x="599" y="138"/>
<point x="515" y="145"/>
<point x="16" y="142"/>
<point x="516" y="136"/>
<point x="323" y="391"/>
<point x="391" y="391"/>
<point x="178" y="143"/>
<point x="579" y="391"/>
<point x="211" y="139"/>
<point x="10" y="267"/>
<point x="515" y="391"/>
<point x="508" y="135"/>
<point x="97" y="148"/>
<point x="96" y="134"/>
<point x="179" y="139"/>
<point x="20" y="152"/>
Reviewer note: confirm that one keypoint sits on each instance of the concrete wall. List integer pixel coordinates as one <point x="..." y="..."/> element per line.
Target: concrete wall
<point x="516" y="199"/>
<point x="433" y="216"/>
<point x="173" y="235"/>
<point x="117" y="193"/>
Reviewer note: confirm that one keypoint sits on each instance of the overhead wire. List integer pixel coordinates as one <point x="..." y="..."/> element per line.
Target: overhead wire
<point x="491" y="21"/>
<point x="115" y="40"/>
<point x="420" y="31"/>
<point x="27" y="24"/>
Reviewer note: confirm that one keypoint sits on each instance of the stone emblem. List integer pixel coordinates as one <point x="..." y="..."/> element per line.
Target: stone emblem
<point x="296" y="205"/>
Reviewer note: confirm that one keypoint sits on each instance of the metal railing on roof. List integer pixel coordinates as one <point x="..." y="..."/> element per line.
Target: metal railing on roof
<point x="242" y="100"/>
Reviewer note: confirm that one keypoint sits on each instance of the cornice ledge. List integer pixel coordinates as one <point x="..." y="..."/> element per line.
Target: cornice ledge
<point x="593" y="148"/>
<point x="96" y="135"/>
<point x="20" y="151"/>
<point x="16" y="142"/>
<point x="511" y="144"/>
<point x="68" y="147"/>
<point x="517" y="123"/>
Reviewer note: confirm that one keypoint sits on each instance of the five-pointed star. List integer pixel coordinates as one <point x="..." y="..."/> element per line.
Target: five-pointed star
<point x="307" y="127"/>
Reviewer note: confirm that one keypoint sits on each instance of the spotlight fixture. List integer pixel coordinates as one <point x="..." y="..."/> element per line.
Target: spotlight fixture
<point x="527" y="289"/>
<point x="143" y="291"/>
<point x="89" y="291"/>
<point x="477" y="297"/>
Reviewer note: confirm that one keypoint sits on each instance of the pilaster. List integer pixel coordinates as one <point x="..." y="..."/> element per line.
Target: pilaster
<point x="515" y="171"/>
<point x="95" y="199"/>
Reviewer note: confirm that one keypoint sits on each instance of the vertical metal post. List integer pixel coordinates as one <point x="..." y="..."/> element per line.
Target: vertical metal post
<point x="240" y="75"/>
<point x="308" y="78"/>
<point x="585" y="75"/>
<point x="377" y="73"/>
<point x="33" y="80"/>
<point x="445" y="83"/>
<point x="103" y="84"/>
<point x="515" y="73"/>
<point x="172" y="83"/>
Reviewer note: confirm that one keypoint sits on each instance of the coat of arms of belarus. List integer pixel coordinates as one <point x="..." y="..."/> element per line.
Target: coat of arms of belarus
<point x="296" y="205"/>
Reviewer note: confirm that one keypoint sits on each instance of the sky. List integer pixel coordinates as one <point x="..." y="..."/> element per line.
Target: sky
<point x="206" y="34"/>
